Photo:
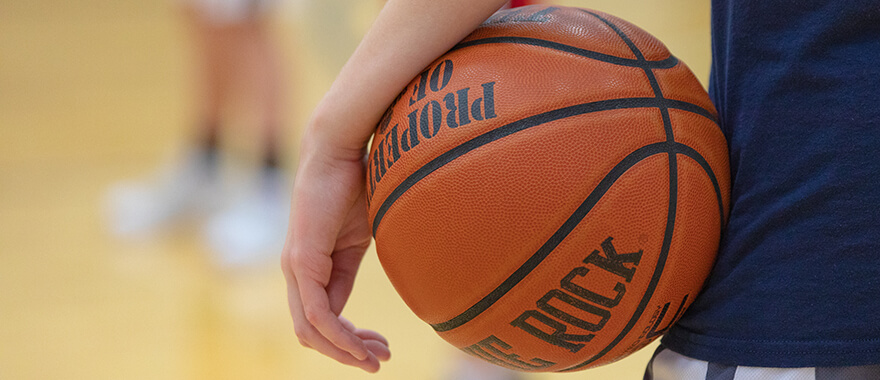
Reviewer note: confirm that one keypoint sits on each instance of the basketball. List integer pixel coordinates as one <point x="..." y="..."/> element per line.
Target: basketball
<point x="549" y="195"/>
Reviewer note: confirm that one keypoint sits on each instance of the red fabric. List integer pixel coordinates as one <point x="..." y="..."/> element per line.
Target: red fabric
<point x="519" y="3"/>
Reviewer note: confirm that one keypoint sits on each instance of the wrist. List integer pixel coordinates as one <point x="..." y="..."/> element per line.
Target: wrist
<point x="331" y="137"/>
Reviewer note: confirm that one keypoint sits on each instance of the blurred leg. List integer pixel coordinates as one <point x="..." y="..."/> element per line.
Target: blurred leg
<point x="237" y="68"/>
<point x="261" y="69"/>
<point x="214" y="72"/>
<point x="251" y="229"/>
<point x="239" y="62"/>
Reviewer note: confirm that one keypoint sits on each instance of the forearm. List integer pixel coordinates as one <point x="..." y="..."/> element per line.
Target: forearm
<point x="406" y="36"/>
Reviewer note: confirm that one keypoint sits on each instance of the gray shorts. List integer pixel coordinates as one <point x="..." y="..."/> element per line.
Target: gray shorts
<point x="669" y="365"/>
<point x="231" y="11"/>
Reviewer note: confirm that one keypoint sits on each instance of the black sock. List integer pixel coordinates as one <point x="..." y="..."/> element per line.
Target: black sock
<point x="209" y="139"/>
<point x="209" y="144"/>
<point x="271" y="158"/>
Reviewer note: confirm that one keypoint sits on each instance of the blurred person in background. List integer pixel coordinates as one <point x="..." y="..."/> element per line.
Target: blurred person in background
<point x="239" y="68"/>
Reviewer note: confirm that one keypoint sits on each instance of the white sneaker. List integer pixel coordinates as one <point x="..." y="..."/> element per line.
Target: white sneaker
<point x="186" y="188"/>
<point x="469" y="368"/>
<point x="252" y="230"/>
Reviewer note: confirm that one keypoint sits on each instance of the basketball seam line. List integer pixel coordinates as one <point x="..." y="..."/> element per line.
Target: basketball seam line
<point x="523" y="124"/>
<point x="673" y="204"/>
<point x="700" y="160"/>
<point x="561" y="233"/>
<point x="667" y="63"/>
<point x="533" y="261"/>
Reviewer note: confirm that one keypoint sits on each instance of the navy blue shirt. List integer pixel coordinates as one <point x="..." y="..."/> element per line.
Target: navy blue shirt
<point x="797" y="281"/>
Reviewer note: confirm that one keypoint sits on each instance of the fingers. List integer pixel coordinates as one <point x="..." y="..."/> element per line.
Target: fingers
<point x="316" y="310"/>
<point x="379" y="350"/>
<point x="313" y="339"/>
<point x="373" y="345"/>
<point x="376" y="343"/>
<point x="364" y="334"/>
<point x="345" y="267"/>
<point x="327" y="239"/>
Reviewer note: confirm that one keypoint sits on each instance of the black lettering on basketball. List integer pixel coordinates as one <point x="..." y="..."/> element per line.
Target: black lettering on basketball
<point x="436" y="83"/>
<point x="372" y="184"/>
<point x="377" y="172"/>
<point x="588" y="309"/>
<point x="386" y="117"/>
<point x="439" y="78"/>
<point x="489" y="100"/>
<point x="430" y="124"/>
<point x="568" y="284"/>
<point x="557" y="337"/>
<point x="393" y="146"/>
<point x="496" y="351"/>
<point x="579" y="298"/>
<point x="463" y="117"/>
<point x="484" y="107"/>
<point x="451" y="119"/>
<point x="613" y="262"/>
<point x="419" y="88"/>
<point x="381" y="160"/>
<point x="413" y="132"/>
<point x="428" y="120"/>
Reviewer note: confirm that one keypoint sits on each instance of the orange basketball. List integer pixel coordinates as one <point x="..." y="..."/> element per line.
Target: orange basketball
<point x="549" y="195"/>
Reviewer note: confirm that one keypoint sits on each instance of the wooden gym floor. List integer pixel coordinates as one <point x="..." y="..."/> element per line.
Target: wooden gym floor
<point x="93" y="91"/>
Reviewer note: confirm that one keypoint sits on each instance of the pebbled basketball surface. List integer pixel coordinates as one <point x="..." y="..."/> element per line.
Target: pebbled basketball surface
<point x="549" y="195"/>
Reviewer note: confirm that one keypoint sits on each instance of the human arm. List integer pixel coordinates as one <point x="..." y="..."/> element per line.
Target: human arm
<point x="328" y="233"/>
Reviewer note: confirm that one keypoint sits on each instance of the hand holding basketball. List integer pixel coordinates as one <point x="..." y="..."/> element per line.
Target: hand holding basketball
<point x="328" y="239"/>
<point x="328" y="228"/>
